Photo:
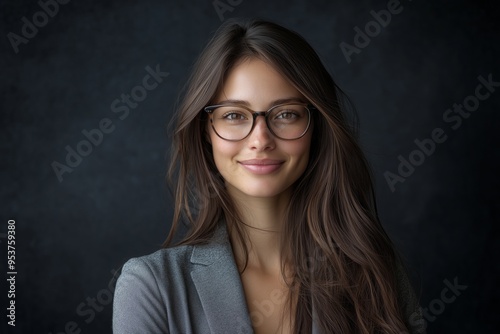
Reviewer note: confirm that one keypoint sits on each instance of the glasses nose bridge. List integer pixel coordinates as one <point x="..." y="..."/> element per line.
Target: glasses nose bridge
<point x="256" y="114"/>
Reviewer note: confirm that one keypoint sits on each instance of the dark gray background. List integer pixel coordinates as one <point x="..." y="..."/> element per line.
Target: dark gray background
<point x="114" y="205"/>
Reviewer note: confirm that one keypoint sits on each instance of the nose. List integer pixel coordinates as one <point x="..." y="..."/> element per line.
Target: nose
<point x="261" y="137"/>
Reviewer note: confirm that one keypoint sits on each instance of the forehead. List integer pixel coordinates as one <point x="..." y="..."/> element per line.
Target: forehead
<point x="256" y="83"/>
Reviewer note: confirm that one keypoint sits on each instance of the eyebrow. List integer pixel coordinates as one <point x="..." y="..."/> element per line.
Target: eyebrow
<point x="271" y="104"/>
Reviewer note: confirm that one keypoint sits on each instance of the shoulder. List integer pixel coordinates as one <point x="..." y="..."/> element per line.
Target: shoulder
<point x="144" y="287"/>
<point x="160" y="272"/>
<point x="173" y="266"/>
<point x="159" y="263"/>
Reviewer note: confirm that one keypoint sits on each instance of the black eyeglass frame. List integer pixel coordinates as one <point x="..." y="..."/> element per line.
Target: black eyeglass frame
<point x="255" y="114"/>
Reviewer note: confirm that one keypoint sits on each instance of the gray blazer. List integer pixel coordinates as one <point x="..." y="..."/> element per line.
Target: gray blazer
<point x="191" y="289"/>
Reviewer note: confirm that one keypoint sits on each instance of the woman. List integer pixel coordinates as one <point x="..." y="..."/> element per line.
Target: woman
<point x="283" y="229"/>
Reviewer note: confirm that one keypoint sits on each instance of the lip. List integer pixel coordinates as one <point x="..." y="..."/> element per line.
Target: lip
<point x="261" y="166"/>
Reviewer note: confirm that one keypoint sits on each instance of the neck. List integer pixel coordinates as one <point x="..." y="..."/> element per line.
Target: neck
<point x="262" y="220"/>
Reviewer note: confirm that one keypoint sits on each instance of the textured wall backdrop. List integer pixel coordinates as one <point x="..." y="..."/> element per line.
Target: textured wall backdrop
<point x="87" y="88"/>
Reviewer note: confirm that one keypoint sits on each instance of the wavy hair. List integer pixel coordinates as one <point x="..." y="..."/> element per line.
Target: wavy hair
<point x="331" y="220"/>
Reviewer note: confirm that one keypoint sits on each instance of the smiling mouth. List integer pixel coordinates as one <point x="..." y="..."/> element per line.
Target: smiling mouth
<point x="261" y="166"/>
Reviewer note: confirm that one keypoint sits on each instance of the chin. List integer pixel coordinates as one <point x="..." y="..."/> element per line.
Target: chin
<point x="261" y="190"/>
<point x="262" y="194"/>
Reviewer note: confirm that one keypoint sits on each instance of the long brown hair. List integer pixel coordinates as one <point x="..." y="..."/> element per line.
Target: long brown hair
<point x="331" y="219"/>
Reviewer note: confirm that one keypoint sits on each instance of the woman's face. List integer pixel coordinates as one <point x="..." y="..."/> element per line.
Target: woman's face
<point x="261" y="165"/>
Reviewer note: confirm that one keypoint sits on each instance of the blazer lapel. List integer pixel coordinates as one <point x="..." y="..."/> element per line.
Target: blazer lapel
<point x="219" y="287"/>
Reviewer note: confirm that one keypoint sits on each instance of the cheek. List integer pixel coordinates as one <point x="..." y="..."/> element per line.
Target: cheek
<point x="300" y="149"/>
<point x="223" y="152"/>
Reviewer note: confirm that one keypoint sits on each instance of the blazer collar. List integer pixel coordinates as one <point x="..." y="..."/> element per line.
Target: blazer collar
<point x="219" y="286"/>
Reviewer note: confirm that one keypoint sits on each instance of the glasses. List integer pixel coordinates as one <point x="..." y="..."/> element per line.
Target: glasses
<point x="235" y="122"/>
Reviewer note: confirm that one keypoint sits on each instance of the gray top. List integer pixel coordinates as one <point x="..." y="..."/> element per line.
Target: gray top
<point x="194" y="289"/>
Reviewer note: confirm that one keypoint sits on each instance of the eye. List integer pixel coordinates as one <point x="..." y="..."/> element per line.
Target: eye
<point x="287" y="114"/>
<point x="234" y="116"/>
